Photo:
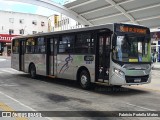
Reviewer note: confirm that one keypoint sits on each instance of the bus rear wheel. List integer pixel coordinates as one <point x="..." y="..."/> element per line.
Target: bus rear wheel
<point x="33" y="71"/>
<point x="84" y="79"/>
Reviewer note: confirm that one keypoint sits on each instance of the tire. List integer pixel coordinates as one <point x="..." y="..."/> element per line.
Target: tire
<point x="33" y="71"/>
<point x="84" y="79"/>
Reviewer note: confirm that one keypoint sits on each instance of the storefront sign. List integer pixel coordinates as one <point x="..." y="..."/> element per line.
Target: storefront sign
<point x="6" y="38"/>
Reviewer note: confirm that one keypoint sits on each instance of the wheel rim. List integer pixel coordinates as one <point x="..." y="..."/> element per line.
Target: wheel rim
<point x="83" y="79"/>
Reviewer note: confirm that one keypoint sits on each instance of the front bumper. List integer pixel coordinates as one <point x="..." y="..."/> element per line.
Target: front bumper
<point x="129" y="80"/>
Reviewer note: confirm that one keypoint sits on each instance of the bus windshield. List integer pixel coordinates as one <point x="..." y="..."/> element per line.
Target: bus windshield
<point x="132" y="48"/>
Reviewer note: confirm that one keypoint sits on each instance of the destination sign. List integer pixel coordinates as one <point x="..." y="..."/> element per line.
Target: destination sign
<point x="133" y="29"/>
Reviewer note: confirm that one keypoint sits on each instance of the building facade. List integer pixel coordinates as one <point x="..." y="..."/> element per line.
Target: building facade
<point x="62" y="22"/>
<point x="14" y="23"/>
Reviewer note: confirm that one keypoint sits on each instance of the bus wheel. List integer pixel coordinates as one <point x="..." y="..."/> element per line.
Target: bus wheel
<point x="33" y="71"/>
<point x="84" y="79"/>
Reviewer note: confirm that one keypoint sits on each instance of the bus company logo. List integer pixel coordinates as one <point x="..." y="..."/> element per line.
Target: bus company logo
<point x="6" y="114"/>
<point x="65" y="67"/>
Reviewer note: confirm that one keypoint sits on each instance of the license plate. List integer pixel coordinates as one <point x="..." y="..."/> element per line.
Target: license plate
<point x="137" y="80"/>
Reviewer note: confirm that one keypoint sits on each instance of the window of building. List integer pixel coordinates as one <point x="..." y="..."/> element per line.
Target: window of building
<point x="67" y="20"/>
<point x="55" y="25"/>
<point x="34" y="32"/>
<point x="84" y="43"/>
<point x="11" y="31"/>
<point x="11" y="20"/>
<point x="66" y="44"/>
<point x="62" y="22"/>
<point x="21" y="21"/>
<point x="42" y="24"/>
<point x="58" y="23"/>
<point x="15" y="47"/>
<point x="34" y="22"/>
<point x="21" y="31"/>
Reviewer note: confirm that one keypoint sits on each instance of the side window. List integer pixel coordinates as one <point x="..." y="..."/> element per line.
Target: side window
<point x="35" y="45"/>
<point x="66" y="44"/>
<point x="84" y="43"/>
<point x="30" y="45"/>
<point x="40" y="46"/>
<point x="15" y="47"/>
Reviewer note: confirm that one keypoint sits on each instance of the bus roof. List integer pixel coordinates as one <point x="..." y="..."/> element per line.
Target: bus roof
<point x="109" y="26"/>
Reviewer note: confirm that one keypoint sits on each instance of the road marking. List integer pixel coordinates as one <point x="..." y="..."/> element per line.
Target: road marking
<point x="140" y="107"/>
<point x="6" y="108"/>
<point x="21" y="104"/>
<point x="8" y="71"/>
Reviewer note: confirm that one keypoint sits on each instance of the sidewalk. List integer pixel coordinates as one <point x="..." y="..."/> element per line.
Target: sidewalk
<point x="155" y="80"/>
<point x="5" y="57"/>
<point x="156" y="66"/>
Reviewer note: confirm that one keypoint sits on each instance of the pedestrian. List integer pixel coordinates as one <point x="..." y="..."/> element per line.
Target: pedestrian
<point x="152" y="57"/>
<point x="155" y="57"/>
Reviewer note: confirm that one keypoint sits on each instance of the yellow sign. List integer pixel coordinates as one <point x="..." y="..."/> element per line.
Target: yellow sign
<point x="133" y="60"/>
<point x="56" y="19"/>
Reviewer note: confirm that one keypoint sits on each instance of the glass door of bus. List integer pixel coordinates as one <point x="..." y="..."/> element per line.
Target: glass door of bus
<point x="103" y="57"/>
<point x="21" y="55"/>
<point x="50" y="56"/>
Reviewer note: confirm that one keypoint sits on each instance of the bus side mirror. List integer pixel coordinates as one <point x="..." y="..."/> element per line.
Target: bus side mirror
<point x="114" y="40"/>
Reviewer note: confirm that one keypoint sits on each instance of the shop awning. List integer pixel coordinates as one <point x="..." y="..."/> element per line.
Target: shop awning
<point x="6" y="38"/>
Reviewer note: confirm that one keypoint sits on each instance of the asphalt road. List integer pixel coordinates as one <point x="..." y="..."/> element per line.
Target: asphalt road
<point x="45" y="94"/>
<point x="5" y="62"/>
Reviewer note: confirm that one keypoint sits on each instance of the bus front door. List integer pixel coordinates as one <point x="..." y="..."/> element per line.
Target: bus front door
<point x="103" y="58"/>
<point x="21" y="55"/>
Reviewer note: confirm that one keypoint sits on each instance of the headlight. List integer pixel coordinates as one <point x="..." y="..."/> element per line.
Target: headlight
<point x="117" y="71"/>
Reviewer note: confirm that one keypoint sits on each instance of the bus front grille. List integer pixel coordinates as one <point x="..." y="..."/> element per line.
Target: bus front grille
<point x="136" y="79"/>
